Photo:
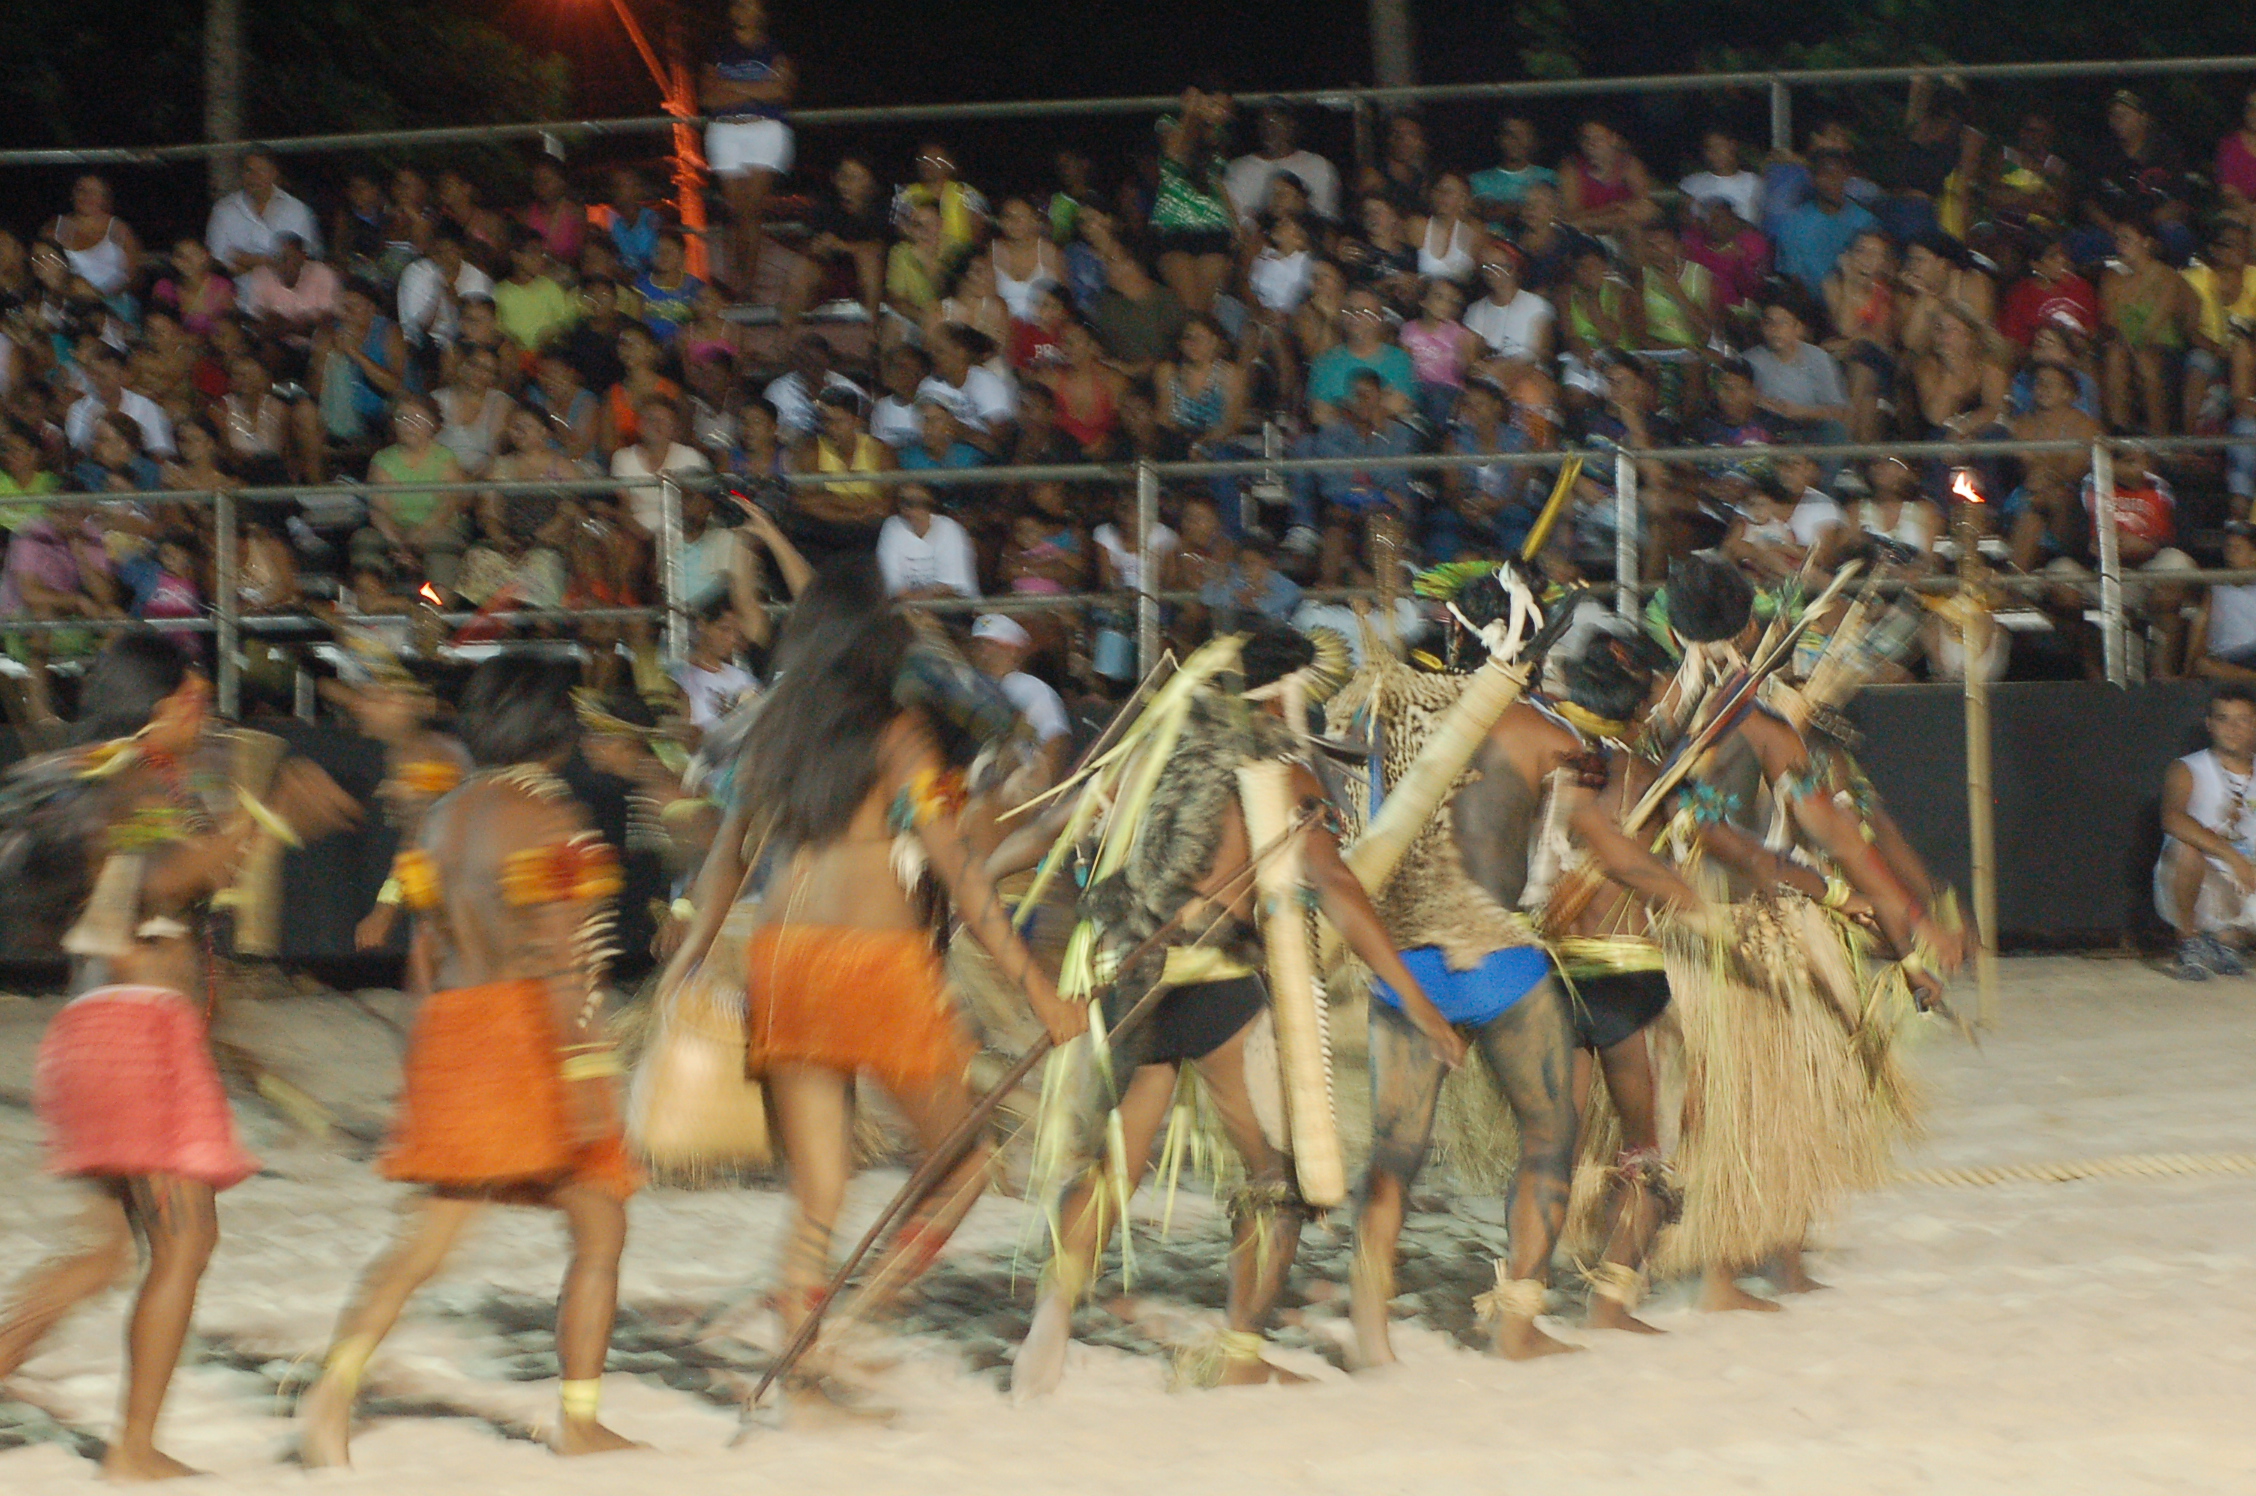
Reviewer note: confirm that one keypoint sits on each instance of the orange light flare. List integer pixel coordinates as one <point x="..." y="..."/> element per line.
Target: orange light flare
<point x="1963" y="485"/>
<point x="429" y="594"/>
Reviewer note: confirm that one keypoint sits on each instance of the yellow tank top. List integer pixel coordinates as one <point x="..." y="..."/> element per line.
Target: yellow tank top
<point x="865" y="460"/>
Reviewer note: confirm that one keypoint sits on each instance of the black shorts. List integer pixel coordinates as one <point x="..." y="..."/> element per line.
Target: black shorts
<point x="1194" y="241"/>
<point x="1190" y="1022"/>
<point x="1608" y="1009"/>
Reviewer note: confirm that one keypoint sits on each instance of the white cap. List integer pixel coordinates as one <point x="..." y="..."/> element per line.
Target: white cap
<point x="1002" y="630"/>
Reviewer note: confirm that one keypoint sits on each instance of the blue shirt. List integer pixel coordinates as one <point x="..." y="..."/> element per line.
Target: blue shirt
<point x="1279" y="594"/>
<point x="919" y="459"/>
<point x="665" y="311"/>
<point x="1810" y="240"/>
<point x="1363" y="488"/>
<point x="1329" y="377"/>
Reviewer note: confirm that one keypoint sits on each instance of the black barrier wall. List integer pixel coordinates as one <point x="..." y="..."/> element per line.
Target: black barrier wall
<point x="2078" y="773"/>
<point x="2078" y="769"/>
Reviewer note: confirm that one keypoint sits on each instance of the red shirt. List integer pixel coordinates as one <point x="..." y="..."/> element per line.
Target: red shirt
<point x="2145" y="508"/>
<point x="2032" y="303"/>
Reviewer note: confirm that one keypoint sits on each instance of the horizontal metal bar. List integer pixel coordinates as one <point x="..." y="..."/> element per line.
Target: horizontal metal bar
<point x="1329" y="98"/>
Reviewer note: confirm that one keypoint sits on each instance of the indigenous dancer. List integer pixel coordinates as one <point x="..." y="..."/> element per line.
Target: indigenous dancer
<point x="119" y="841"/>
<point x="510" y="1093"/>
<point x="1451" y="907"/>
<point x="389" y="705"/>
<point x="1792" y="1092"/>
<point x="1190" y="854"/>
<point x="850" y="776"/>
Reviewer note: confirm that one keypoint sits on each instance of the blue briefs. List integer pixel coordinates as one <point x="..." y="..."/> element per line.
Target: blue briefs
<point x="1473" y="997"/>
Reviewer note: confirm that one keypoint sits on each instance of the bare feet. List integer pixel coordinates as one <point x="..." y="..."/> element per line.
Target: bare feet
<point x="1368" y="1312"/>
<point x="1613" y="1314"/>
<point x="1040" y="1363"/>
<point x="577" y="1436"/>
<point x="815" y="1400"/>
<point x="1790" y="1276"/>
<point x="1255" y="1374"/>
<point x="145" y="1463"/>
<point x="1719" y="1293"/>
<point x="325" y="1426"/>
<point x="1517" y="1339"/>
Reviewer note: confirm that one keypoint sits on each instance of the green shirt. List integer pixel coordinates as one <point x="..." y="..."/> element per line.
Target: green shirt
<point x="534" y="312"/>
<point x="15" y="516"/>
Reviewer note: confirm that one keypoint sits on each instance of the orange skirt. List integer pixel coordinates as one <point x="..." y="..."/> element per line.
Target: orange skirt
<point x="852" y="1000"/>
<point x="483" y="1104"/>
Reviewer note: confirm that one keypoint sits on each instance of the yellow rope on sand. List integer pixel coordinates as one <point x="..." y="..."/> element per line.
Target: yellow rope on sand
<point x="2125" y="1165"/>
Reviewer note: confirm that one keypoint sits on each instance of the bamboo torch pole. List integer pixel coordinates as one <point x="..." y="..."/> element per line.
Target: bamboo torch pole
<point x="1976" y="628"/>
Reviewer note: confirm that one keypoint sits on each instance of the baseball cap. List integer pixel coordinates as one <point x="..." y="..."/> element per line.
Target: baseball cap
<point x="1002" y="630"/>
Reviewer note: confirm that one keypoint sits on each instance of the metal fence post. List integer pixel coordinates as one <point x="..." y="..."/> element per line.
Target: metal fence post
<point x="670" y="567"/>
<point x="1781" y="115"/>
<point x="1147" y="569"/>
<point x="227" y="581"/>
<point x="1626" y="573"/>
<point x="2110" y="563"/>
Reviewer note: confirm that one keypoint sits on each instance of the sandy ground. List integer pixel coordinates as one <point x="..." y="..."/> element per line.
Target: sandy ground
<point x="2088" y="1336"/>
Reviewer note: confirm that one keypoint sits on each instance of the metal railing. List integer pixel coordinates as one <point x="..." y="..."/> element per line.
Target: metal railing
<point x="2112" y="584"/>
<point x="1778" y="84"/>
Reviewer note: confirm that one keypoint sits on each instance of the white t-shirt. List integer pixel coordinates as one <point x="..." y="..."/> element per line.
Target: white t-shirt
<point x="156" y="426"/>
<point x="985" y="401"/>
<point x="648" y="505"/>
<point x="941" y="557"/>
<point x="795" y="407"/>
<point x="1128" y="563"/>
<point x="1511" y="331"/>
<point x="896" y="422"/>
<point x="237" y="227"/>
<point x="1815" y="513"/>
<point x="1248" y="179"/>
<point x="1043" y="708"/>
<point x="426" y="313"/>
<point x="1742" y="189"/>
<point x="713" y="694"/>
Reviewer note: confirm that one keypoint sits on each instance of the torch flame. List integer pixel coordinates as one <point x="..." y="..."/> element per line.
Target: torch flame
<point x="429" y="594"/>
<point x="1962" y="484"/>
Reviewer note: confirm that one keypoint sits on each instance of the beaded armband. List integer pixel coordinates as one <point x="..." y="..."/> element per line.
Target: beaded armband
<point x="926" y="798"/>
<point x="414" y="881"/>
<point x="427" y="776"/>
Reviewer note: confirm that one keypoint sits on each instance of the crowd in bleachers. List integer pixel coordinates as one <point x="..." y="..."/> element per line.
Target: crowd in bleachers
<point x="1228" y="293"/>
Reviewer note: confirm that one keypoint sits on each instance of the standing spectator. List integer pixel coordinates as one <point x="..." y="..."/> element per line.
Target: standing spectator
<point x="1516" y="324"/>
<point x="962" y="212"/>
<point x="1138" y="320"/>
<point x="1192" y="223"/>
<point x="107" y="395"/>
<point x="1860" y="296"/>
<point x="1403" y="175"/>
<point x="1814" y="235"/>
<point x="195" y="292"/>
<point x="1498" y="190"/>
<point x="290" y="293"/>
<point x="1604" y="187"/>
<point x="2139" y="178"/>
<point x="1249" y="177"/>
<point x="667" y="290"/>
<point x="793" y="392"/>
<point x="99" y="246"/>
<point x="1733" y="250"/>
<point x="530" y="304"/>
<point x="358" y="364"/>
<point x="1723" y="175"/>
<point x="245" y="224"/>
<point x="2224" y="292"/>
<point x="1795" y="380"/>
<point x="2149" y="312"/>
<point x="2236" y="165"/>
<point x="413" y="535"/>
<point x="657" y="451"/>
<point x="2222" y="643"/>
<point x="2051" y="292"/>
<point x="746" y="88"/>
<point x="845" y="250"/>
<point x="981" y="400"/>
<point x="431" y="292"/>
<point x="1365" y="347"/>
<point x="921" y="552"/>
<point x="555" y="214"/>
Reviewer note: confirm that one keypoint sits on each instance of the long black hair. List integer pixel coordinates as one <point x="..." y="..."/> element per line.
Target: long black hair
<point x="810" y="756"/>
<point x="517" y="709"/>
<point x="138" y="670"/>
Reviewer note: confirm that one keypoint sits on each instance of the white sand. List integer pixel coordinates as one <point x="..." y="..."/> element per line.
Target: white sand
<point x="2091" y="1336"/>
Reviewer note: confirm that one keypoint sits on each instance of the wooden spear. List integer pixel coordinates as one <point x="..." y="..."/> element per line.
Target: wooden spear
<point x="1976" y="629"/>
